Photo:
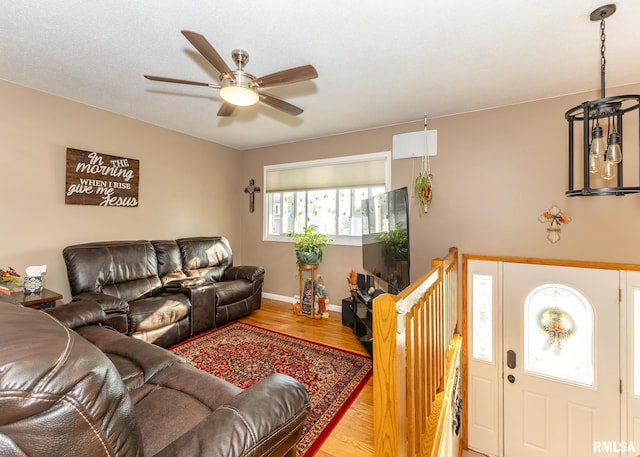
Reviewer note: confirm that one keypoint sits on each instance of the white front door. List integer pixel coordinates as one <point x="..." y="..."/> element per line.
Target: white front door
<point x="561" y="373"/>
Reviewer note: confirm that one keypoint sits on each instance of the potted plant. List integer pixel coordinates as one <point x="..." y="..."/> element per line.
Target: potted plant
<point x="423" y="188"/>
<point x="309" y="245"/>
<point x="9" y="279"/>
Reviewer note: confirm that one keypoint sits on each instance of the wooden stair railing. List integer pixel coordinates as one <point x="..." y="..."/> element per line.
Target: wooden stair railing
<point x="414" y="347"/>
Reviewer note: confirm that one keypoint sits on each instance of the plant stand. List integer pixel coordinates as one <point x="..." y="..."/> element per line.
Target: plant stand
<point x="312" y="270"/>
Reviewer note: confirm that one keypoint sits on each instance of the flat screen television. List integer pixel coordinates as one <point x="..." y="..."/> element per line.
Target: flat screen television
<point x="385" y="238"/>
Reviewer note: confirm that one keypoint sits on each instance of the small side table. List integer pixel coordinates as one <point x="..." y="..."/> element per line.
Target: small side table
<point x="311" y="268"/>
<point x="45" y="299"/>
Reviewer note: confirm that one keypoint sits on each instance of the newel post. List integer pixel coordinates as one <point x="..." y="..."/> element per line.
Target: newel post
<point x="388" y="440"/>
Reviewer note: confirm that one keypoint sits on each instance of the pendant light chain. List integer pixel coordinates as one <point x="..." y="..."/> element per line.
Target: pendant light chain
<point x="603" y="60"/>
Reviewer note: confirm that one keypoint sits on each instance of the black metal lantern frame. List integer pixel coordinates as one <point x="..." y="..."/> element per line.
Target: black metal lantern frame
<point x="590" y="114"/>
<point x="612" y="108"/>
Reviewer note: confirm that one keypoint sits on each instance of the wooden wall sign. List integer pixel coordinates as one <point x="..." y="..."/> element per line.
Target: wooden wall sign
<point x="101" y="179"/>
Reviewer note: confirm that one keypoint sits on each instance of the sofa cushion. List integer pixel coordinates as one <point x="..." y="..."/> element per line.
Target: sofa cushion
<point x="166" y="336"/>
<point x="156" y="312"/>
<point x="124" y="269"/>
<point x="232" y="291"/>
<point x="134" y="289"/>
<point x="206" y="257"/>
<point x="169" y="260"/>
<point x="135" y="360"/>
<point x="185" y="394"/>
<point x="161" y="386"/>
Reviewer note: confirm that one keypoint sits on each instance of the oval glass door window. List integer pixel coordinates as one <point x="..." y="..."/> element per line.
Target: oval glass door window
<point x="559" y="335"/>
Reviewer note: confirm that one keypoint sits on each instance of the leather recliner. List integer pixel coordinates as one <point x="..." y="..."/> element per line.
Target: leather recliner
<point x="71" y="386"/>
<point x="164" y="291"/>
<point x="122" y="276"/>
<point x="238" y="289"/>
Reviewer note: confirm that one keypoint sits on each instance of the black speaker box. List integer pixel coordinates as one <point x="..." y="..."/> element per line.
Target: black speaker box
<point x="370" y="281"/>
<point x="362" y="282"/>
<point x="347" y="312"/>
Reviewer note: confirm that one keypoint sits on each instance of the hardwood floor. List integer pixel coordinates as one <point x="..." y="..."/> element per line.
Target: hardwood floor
<point x="353" y="436"/>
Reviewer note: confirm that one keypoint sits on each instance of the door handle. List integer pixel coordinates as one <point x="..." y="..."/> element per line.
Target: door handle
<point x="511" y="359"/>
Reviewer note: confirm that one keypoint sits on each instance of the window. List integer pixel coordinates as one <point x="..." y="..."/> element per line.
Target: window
<point x="482" y="305"/>
<point x="559" y="334"/>
<point x="325" y="193"/>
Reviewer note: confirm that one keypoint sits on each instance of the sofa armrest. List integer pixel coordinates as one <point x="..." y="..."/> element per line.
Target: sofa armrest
<point x="202" y="295"/>
<point x="115" y="309"/>
<point x="109" y="303"/>
<point x="249" y="272"/>
<point x="186" y="283"/>
<point x="265" y="419"/>
<point x="78" y="313"/>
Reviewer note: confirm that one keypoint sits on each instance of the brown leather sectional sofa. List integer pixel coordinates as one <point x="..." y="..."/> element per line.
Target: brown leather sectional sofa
<point x="164" y="291"/>
<point x="72" y="386"/>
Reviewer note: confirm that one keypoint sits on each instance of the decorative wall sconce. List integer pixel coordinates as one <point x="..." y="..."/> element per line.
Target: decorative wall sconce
<point x="602" y="163"/>
<point x="554" y="217"/>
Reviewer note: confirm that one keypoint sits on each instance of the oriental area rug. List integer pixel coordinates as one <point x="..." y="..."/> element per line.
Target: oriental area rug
<point x="244" y="354"/>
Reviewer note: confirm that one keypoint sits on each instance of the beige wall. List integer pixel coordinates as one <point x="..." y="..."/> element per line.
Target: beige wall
<point x="187" y="186"/>
<point x="495" y="173"/>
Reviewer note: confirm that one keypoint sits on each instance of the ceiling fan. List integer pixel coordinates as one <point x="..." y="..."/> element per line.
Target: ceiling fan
<point x="237" y="87"/>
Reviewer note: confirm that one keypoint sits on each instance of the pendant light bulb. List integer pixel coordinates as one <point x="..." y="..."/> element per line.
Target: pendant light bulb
<point x="614" y="152"/>
<point x="597" y="149"/>
<point x="609" y="170"/>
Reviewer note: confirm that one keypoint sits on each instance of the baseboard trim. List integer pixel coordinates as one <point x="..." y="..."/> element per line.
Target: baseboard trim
<point x="283" y="298"/>
<point x="292" y="300"/>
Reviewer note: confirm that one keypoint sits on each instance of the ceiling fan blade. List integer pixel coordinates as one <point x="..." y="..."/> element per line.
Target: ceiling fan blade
<point x="179" y="81"/>
<point x="292" y="75"/>
<point x="281" y="105"/>
<point x="208" y="52"/>
<point x="226" y="109"/>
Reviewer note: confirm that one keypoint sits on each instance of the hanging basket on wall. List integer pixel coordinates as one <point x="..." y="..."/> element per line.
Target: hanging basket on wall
<point x="423" y="188"/>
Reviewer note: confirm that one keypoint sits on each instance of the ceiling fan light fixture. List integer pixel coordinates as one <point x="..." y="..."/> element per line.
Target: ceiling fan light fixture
<point x="239" y="96"/>
<point x="239" y="91"/>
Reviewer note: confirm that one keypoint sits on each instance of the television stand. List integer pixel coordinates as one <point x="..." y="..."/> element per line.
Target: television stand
<point x="364" y="297"/>
<point x="362" y="309"/>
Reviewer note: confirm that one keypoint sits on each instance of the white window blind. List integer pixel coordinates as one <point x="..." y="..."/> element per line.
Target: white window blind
<point x="369" y="170"/>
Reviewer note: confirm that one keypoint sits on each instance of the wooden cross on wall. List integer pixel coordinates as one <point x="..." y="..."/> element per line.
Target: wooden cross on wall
<point x="251" y="189"/>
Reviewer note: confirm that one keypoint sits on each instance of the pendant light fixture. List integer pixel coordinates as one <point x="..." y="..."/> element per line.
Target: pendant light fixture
<point x="602" y="156"/>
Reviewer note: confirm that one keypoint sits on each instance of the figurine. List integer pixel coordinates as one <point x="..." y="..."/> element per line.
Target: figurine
<point x="321" y="294"/>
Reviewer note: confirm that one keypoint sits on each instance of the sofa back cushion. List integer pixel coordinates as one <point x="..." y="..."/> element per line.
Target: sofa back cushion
<point x="59" y="394"/>
<point x="169" y="260"/>
<point x="124" y="269"/>
<point x="206" y="257"/>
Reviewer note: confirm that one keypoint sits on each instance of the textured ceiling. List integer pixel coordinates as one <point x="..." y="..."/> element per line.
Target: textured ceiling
<point x="379" y="62"/>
